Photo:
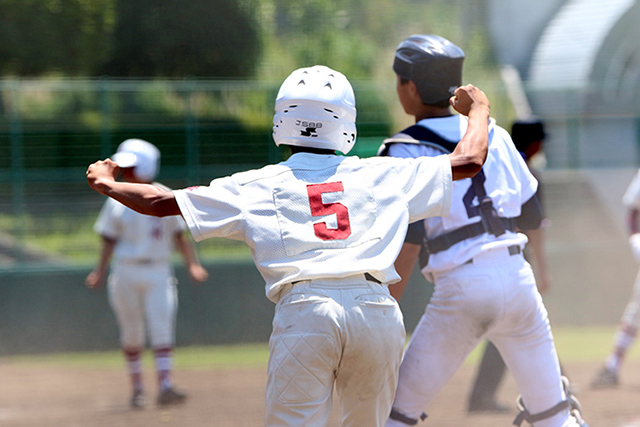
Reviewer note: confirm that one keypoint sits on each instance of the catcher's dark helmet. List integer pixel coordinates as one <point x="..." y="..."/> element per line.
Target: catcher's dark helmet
<point x="433" y="63"/>
<point x="524" y="132"/>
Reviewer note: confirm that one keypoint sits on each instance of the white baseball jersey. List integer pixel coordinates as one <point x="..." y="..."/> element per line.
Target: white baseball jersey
<point x="141" y="284"/>
<point x="494" y="296"/>
<point x="510" y="186"/>
<point x="631" y="198"/>
<point x="317" y="216"/>
<point x="139" y="237"/>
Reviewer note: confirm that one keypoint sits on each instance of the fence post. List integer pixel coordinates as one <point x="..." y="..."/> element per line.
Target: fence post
<point x="191" y="130"/>
<point x="105" y="119"/>
<point x="17" y="169"/>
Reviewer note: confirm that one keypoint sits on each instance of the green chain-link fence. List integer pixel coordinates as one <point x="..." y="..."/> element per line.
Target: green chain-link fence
<point x="51" y="130"/>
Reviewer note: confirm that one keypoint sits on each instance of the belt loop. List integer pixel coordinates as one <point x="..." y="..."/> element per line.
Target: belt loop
<point x="284" y="290"/>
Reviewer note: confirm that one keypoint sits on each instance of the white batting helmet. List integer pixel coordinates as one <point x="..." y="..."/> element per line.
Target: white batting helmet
<point x="316" y="107"/>
<point x="141" y="155"/>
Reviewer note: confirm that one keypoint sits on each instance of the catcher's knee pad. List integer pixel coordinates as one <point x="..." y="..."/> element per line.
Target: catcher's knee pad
<point x="575" y="407"/>
<point x="571" y="403"/>
<point x="398" y="416"/>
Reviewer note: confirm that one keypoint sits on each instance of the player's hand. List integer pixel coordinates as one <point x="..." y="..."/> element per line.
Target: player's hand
<point x="198" y="273"/>
<point x="634" y="241"/>
<point x="94" y="280"/>
<point x="468" y="97"/>
<point x="101" y="171"/>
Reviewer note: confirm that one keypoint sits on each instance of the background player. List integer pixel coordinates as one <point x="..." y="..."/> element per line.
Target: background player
<point x="483" y="286"/>
<point x="142" y="286"/>
<point x="528" y="136"/>
<point x="324" y="231"/>
<point x="627" y="330"/>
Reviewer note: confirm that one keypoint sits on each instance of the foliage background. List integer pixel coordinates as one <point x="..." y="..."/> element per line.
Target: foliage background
<point x="259" y="39"/>
<point x="197" y="79"/>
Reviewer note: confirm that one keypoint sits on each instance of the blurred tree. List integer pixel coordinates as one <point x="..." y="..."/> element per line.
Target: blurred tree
<point x="359" y="37"/>
<point x="327" y="32"/>
<point x="124" y="38"/>
<point x="41" y="36"/>
<point x="174" y="38"/>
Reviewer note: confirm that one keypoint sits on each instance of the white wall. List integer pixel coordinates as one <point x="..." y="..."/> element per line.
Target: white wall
<point x="515" y="25"/>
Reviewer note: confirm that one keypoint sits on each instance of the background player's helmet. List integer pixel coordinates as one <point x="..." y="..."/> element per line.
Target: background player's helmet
<point x="433" y="63"/>
<point x="316" y="107"/>
<point x="525" y="132"/>
<point x="141" y="155"/>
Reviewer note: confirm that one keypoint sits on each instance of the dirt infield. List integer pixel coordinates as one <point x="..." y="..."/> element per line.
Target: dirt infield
<point x="48" y="395"/>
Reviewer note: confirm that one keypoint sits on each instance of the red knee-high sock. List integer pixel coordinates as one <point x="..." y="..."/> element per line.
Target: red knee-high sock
<point x="624" y="338"/>
<point x="162" y="356"/>
<point x="134" y="366"/>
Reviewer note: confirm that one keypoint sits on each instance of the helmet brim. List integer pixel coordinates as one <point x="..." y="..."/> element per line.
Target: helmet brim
<point x="125" y="160"/>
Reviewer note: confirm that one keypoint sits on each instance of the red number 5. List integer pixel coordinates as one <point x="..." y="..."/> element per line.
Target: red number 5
<point x="320" y="209"/>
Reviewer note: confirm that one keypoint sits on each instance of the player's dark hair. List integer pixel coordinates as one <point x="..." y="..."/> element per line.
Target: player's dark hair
<point x="442" y="104"/>
<point x="524" y="132"/>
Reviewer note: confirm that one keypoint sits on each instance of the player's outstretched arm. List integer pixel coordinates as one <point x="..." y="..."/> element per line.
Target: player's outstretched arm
<point x="471" y="152"/>
<point x="146" y="199"/>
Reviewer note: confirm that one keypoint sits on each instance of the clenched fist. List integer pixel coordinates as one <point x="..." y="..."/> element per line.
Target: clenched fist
<point x="100" y="171"/>
<point x="468" y="97"/>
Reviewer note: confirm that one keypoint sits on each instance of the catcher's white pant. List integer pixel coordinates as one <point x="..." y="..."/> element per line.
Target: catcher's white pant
<point x="144" y="292"/>
<point x="493" y="297"/>
<point x="344" y="331"/>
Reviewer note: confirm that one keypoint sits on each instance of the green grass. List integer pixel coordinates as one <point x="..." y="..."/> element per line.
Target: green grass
<point x="574" y="344"/>
<point x="193" y="357"/>
<point x="72" y="239"/>
<point x="578" y="344"/>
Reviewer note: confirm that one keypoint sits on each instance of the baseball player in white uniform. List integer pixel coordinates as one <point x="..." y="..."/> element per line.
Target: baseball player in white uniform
<point x="141" y="285"/>
<point x="627" y="330"/>
<point x="483" y="286"/>
<point x="324" y="231"/>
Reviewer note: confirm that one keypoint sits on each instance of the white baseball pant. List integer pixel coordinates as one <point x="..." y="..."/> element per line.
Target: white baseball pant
<point x="345" y="331"/>
<point x="144" y="292"/>
<point x="631" y="314"/>
<point x="495" y="297"/>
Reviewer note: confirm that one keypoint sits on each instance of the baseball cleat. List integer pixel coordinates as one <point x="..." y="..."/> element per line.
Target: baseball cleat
<point x="137" y="400"/>
<point x="169" y="396"/>
<point x="606" y="378"/>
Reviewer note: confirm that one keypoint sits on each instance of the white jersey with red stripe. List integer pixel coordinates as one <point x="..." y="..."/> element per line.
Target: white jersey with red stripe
<point x="510" y="186"/>
<point x="139" y="237"/>
<point x="321" y="216"/>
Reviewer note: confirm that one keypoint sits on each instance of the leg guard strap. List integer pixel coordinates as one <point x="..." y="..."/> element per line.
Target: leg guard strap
<point x="395" y="415"/>
<point x="524" y="415"/>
